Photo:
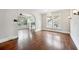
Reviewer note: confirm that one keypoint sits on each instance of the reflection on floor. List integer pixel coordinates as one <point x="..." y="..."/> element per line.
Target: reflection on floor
<point x="42" y="40"/>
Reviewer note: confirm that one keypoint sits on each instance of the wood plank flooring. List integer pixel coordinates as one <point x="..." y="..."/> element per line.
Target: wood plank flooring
<point x="42" y="40"/>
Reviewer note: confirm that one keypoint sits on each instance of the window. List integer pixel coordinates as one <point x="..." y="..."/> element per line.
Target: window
<point x="26" y="21"/>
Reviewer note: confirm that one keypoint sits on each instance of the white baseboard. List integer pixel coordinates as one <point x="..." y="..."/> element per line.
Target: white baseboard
<point x="37" y="30"/>
<point x="58" y="31"/>
<point x="7" y="38"/>
<point x="75" y="42"/>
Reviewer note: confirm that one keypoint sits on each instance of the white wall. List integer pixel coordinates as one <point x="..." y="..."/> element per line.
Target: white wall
<point x="75" y="29"/>
<point x="2" y="22"/>
<point x="62" y="20"/>
<point x="8" y="27"/>
<point x="38" y="21"/>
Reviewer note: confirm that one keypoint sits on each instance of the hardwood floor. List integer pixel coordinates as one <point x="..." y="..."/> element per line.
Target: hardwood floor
<point x="42" y="40"/>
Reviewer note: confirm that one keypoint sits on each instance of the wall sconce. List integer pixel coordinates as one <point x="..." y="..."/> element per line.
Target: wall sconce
<point x="15" y="20"/>
<point x="20" y="14"/>
<point x="76" y="12"/>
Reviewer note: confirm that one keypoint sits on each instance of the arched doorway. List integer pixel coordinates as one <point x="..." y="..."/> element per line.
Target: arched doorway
<point x="26" y="26"/>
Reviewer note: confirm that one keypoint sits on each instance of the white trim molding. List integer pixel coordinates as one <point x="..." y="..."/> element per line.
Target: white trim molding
<point x="7" y="38"/>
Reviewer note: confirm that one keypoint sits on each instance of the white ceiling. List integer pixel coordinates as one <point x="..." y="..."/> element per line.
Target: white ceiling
<point x="42" y="10"/>
<point x="32" y="10"/>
